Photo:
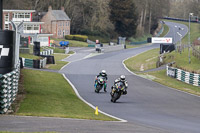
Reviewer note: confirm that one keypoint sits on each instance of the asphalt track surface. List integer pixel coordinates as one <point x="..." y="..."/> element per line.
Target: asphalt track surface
<point x="148" y="107"/>
<point x="147" y="102"/>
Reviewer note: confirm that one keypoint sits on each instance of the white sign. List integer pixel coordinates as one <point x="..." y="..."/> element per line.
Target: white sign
<point x="161" y="40"/>
<point x="4" y="51"/>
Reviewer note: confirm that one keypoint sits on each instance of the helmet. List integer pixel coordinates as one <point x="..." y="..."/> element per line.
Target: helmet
<point x="103" y="72"/>
<point x="122" y="77"/>
<point x="116" y="80"/>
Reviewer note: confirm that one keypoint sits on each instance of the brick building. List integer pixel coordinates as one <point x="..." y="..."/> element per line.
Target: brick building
<point x="31" y="28"/>
<point x="56" y="22"/>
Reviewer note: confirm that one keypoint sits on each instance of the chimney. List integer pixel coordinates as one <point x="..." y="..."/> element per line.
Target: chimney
<point x="50" y="8"/>
<point x="62" y="8"/>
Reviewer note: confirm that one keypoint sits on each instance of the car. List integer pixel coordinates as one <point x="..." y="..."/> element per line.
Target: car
<point x="64" y="43"/>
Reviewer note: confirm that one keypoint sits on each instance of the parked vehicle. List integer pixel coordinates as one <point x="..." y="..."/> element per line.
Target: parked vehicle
<point x="64" y="43"/>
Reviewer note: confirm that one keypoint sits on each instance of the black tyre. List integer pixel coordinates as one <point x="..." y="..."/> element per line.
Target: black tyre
<point x="97" y="91"/>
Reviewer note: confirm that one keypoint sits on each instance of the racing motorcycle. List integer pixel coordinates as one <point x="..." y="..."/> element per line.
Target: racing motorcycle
<point x="99" y="83"/>
<point x="117" y="90"/>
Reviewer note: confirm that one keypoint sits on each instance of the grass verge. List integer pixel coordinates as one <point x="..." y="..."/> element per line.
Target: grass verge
<point x="58" y="63"/>
<point x="30" y="56"/>
<point x="194" y="31"/>
<point x="48" y="94"/>
<point x="165" y="31"/>
<point x="162" y="78"/>
<point x="145" y="61"/>
<point x="72" y="43"/>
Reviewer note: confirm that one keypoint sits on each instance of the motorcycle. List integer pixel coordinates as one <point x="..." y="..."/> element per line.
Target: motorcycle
<point x="99" y="84"/>
<point x="117" y="90"/>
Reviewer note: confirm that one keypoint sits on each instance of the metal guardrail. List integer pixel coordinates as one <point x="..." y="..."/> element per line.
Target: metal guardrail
<point x="184" y="76"/>
<point x="179" y="19"/>
<point x="8" y="89"/>
<point x="138" y="43"/>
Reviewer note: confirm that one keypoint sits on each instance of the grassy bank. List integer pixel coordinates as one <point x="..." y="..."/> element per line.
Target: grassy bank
<point x="48" y="94"/>
<point x="148" y="60"/>
<point x="162" y="78"/>
<point x="145" y="61"/>
<point x="165" y="31"/>
<point x="72" y="43"/>
<point x="58" y="63"/>
<point x="194" y="31"/>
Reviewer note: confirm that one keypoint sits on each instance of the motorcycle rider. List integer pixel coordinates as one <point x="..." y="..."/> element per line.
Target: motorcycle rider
<point x="124" y="81"/>
<point x="104" y="75"/>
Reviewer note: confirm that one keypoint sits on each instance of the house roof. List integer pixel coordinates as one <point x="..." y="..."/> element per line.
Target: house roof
<point x="60" y="15"/>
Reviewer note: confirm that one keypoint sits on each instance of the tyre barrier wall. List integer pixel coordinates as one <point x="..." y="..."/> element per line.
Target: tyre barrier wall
<point x="34" y="63"/>
<point x="47" y="52"/>
<point x="8" y="89"/>
<point x="184" y="76"/>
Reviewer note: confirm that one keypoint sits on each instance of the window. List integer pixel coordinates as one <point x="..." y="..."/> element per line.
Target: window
<point x="27" y="15"/>
<point x="21" y="15"/>
<point x="6" y="26"/>
<point x="36" y="27"/>
<point x="29" y="27"/>
<point x="6" y="17"/>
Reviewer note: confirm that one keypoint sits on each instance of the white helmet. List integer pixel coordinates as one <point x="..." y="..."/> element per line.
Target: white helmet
<point x="103" y="72"/>
<point x="122" y="77"/>
<point x="116" y="80"/>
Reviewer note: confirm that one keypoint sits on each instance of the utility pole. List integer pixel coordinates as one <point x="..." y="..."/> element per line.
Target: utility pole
<point x="1" y="14"/>
<point x="190" y="14"/>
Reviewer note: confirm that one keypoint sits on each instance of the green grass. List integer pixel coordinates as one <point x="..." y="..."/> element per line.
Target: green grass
<point x="194" y="31"/>
<point x="59" y="64"/>
<point x="29" y="56"/>
<point x="147" y="60"/>
<point x="48" y="94"/>
<point x="57" y="50"/>
<point x="165" y="31"/>
<point x="162" y="78"/>
<point x="73" y="43"/>
<point x="182" y="61"/>
<point x="101" y="39"/>
<point x="139" y="39"/>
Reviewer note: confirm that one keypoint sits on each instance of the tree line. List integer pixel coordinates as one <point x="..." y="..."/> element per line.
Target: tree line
<point x="110" y="18"/>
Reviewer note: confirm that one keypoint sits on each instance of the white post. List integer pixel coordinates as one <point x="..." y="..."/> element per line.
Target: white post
<point x="190" y="14"/>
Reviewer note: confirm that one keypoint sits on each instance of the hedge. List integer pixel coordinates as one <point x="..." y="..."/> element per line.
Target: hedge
<point x="77" y="37"/>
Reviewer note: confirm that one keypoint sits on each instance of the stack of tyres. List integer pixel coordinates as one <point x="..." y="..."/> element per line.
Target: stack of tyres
<point x="7" y="51"/>
<point x="36" y="64"/>
<point x="50" y="59"/>
<point x="36" y="48"/>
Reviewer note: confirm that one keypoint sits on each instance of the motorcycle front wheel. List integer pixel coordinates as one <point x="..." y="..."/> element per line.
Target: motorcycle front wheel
<point x="115" y="97"/>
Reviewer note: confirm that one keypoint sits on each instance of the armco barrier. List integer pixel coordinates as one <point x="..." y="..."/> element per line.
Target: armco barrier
<point x="8" y="89"/>
<point x="138" y="43"/>
<point x="184" y="76"/>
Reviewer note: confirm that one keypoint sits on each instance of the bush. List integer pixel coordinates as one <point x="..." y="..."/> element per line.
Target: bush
<point x="77" y="37"/>
<point x="69" y="37"/>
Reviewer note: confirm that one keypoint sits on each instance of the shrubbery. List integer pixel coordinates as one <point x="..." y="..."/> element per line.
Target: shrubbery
<point x="82" y="38"/>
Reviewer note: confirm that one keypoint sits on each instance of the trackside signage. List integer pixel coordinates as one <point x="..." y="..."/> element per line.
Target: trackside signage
<point x="171" y="72"/>
<point x="161" y="40"/>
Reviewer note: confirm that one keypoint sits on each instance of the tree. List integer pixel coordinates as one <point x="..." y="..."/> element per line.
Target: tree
<point x="124" y="16"/>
